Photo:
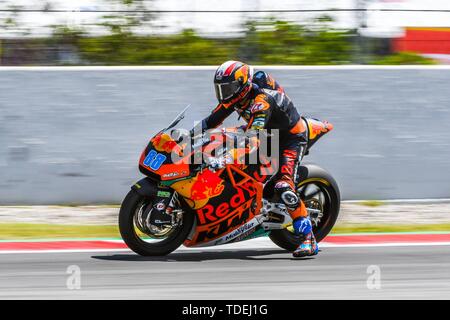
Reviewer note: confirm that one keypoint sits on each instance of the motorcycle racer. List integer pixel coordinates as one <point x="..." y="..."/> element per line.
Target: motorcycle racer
<point x="263" y="104"/>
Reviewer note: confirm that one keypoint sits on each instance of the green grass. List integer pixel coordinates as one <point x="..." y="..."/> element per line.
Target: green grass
<point x="29" y="231"/>
<point x="371" y="203"/>
<point x="403" y="58"/>
<point x="44" y="231"/>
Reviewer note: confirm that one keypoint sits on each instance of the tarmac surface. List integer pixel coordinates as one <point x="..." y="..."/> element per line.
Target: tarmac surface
<point x="372" y="272"/>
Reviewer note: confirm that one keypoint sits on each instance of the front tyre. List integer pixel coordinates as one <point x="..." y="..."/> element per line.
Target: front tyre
<point x="319" y="191"/>
<point x="144" y="244"/>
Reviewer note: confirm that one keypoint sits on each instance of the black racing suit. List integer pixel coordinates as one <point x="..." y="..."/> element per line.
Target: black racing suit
<point x="268" y="107"/>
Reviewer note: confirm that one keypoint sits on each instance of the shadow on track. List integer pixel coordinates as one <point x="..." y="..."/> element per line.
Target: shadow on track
<point x="199" y="256"/>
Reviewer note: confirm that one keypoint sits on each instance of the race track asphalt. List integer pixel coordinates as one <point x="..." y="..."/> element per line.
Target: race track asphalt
<point x="406" y="272"/>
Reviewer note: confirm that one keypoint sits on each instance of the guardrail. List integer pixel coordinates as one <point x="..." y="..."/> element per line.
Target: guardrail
<point x="74" y="136"/>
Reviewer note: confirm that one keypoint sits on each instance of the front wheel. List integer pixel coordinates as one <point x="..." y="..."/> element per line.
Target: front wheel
<point x="151" y="241"/>
<point x="319" y="191"/>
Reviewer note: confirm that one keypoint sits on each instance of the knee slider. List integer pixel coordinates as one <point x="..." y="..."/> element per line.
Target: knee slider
<point x="287" y="195"/>
<point x="290" y="199"/>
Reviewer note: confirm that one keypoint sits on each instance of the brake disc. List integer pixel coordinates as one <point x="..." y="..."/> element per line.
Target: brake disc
<point x="153" y="223"/>
<point x="315" y="210"/>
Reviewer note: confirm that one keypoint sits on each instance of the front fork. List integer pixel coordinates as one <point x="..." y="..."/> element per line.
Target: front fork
<point x="160" y="214"/>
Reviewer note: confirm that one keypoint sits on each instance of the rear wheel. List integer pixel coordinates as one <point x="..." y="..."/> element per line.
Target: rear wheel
<point x="150" y="240"/>
<point x="319" y="191"/>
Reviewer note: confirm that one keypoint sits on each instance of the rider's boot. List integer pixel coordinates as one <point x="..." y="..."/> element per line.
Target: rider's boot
<point x="308" y="247"/>
<point x="301" y="222"/>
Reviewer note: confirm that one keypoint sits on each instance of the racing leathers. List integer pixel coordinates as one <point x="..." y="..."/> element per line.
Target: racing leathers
<point x="267" y="106"/>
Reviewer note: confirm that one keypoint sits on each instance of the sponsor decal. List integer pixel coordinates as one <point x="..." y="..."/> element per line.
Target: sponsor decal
<point x="252" y="234"/>
<point x="239" y="217"/>
<point x="282" y="184"/>
<point x="164" y="194"/>
<point x="171" y="175"/>
<point x="174" y="174"/>
<point x="257" y="107"/>
<point x="259" y="123"/>
<point x="240" y="231"/>
<point x="265" y="172"/>
<point x="163" y="221"/>
<point x="164" y="143"/>
<point x="207" y="185"/>
<point x="245" y="235"/>
<point x="160" y="206"/>
<point x="210" y="213"/>
<point x="154" y="160"/>
<point x="290" y="158"/>
<point x="219" y="74"/>
<point x="260" y="104"/>
<point x="244" y="113"/>
<point x="200" y="142"/>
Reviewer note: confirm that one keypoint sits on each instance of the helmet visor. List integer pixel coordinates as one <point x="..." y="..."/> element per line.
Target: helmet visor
<point x="225" y="91"/>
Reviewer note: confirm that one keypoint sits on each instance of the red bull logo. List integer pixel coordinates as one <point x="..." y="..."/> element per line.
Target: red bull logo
<point x="208" y="185"/>
<point x="165" y="143"/>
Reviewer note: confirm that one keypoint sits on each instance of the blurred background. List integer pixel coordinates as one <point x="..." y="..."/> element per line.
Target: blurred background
<point x="193" y="32"/>
<point x="73" y="135"/>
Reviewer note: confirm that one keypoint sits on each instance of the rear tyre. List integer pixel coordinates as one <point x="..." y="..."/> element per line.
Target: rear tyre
<point x="131" y="205"/>
<point x="318" y="190"/>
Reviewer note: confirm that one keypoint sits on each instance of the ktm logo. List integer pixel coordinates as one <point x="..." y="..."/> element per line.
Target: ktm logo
<point x="239" y="217"/>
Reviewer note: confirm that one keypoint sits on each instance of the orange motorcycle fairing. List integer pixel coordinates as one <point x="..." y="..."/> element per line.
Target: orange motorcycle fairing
<point x="169" y="170"/>
<point x="317" y="128"/>
<point x="163" y="142"/>
<point x="230" y="213"/>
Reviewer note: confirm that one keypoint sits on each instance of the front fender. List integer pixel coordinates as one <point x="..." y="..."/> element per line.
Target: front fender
<point x="146" y="187"/>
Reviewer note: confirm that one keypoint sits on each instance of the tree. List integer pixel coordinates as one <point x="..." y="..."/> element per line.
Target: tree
<point x="283" y="42"/>
<point x="135" y="15"/>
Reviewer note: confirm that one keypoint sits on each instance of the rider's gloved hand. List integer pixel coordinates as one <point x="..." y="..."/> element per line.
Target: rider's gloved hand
<point x="217" y="163"/>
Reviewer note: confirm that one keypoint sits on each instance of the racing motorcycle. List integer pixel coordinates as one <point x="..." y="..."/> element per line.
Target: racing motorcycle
<point x="180" y="202"/>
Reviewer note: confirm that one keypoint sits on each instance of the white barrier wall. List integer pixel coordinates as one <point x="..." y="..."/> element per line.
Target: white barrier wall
<point x="74" y="135"/>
